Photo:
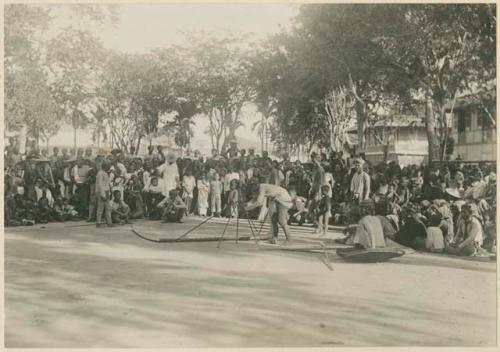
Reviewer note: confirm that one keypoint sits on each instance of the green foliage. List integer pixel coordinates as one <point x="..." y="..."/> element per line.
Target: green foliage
<point x="385" y="55"/>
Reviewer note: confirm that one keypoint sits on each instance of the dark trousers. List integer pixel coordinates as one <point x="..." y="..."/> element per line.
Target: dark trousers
<point x="152" y="200"/>
<point x="83" y="195"/>
<point x="173" y="216"/>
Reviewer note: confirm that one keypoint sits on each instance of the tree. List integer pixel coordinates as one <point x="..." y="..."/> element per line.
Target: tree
<point x="443" y="50"/>
<point x="223" y="87"/>
<point x="74" y="58"/>
<point x="263" y="128"/>
<point x="339" y="108"/>
<point x="99" y="126"/>
<point x="28" y="100"/>
<point x="340" y="44"/>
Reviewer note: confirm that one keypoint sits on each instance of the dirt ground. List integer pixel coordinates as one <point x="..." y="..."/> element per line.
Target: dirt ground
<point x="78" y="286"/>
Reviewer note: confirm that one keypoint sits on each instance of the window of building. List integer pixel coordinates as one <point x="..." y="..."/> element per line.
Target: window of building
<point x="485" y="123"/>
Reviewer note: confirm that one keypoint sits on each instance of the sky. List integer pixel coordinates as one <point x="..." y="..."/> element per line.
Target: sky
<point x="141" y="27"/>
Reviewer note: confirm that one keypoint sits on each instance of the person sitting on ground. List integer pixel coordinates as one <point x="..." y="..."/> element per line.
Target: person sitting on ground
<point x="64" y="211"/>
<point x="442" y="208"/>
<point x="412" y="232"/>
<point x="24" y="210"/>
<point x="383" y="211"/>
<point x="43" y="212"/>
<point x="133" y="198"/>
<point x="368" y="232"/>
<point x="153" y="195"/>
<point x="173" y="207"/>
<point x="298" y="211"/>
<point x="434" y="242"/>
<point x="469" y="237"/>
<point x="119" y="210"/>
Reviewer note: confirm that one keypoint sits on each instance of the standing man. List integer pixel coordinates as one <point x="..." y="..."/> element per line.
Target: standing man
<point x="170" y="173"/>
<point x="88" y="153"/>
<point x="318" y="178"/>
<point x="360" y="183"/>
<point x="102" y="193"/>
<point x="82" y="187"/>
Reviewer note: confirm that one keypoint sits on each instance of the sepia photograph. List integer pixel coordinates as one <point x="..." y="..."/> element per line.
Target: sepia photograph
<point x="249" y="175"/>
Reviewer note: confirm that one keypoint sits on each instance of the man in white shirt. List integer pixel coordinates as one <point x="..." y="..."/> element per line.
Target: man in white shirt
<point x="79" y="174"/>
<point x="360" y="182"/>
<point x="170" y="174"/>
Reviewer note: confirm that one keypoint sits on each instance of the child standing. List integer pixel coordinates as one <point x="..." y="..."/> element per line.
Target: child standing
<point x="203" y="191"/>
<point x="324" y="208"/>
<point x="188" y="183"/>
<point x="215" y="195"/>
<point x="233" y="197"/>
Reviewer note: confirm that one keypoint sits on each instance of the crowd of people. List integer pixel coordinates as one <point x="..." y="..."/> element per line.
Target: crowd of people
<point x="448" y="207"/>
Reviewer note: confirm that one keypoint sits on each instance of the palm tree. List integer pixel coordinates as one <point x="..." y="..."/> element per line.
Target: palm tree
<point x="264" y="126"/>
<point x="99" y="125"/>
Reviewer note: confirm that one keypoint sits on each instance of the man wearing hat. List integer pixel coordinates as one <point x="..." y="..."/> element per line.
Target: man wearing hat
<point x="170" y="173"/>
<point x="360" y="182"/>
<point x="79" y="174"/>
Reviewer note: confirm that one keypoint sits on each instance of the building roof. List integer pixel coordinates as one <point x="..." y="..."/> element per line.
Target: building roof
<point x="399" y="120"/>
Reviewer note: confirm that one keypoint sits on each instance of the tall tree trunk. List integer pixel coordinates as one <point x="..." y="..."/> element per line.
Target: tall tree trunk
<point x="430" y="126"/>
<point x="74" y="138"/>
<point x="262" y="121"/>
<point x="266" y="138"/>
<point x="138" y="145"/>
<point x="361" y="119"/>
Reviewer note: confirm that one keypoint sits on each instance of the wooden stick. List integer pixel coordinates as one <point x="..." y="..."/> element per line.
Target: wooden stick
<point x="202" y="239"/>
<point x="223" y="233"/>
<point x="237" y="224"/>
<point x="143" y="237"/>
<point x="201" y="223"/>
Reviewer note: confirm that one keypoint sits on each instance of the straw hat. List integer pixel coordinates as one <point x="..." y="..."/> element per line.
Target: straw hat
<point x="454" y="192"/>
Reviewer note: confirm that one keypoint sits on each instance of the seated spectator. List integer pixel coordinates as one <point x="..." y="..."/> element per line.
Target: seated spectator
<point x="153" y="196"/>
<point x="64" y="211"/>
<point x="434" y="242"/>
<point x="173" y="207"/>
<point x="298" y="212"/>
<point x="469" y="237"/>
<point x="43" y="212"/>
<point x="133" y="197"/>
<point x="412" y="232"/>
<point x="368" y="232"/>
<point x="119" y="210"/>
